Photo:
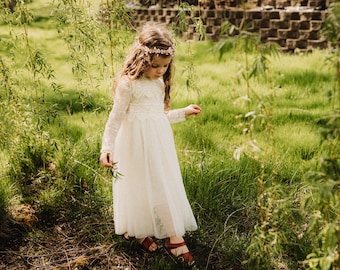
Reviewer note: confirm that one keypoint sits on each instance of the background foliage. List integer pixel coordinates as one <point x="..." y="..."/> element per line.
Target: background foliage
<point x="260" y="165"/>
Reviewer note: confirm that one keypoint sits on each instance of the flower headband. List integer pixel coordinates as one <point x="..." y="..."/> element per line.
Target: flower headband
<point x="170" y="51"/>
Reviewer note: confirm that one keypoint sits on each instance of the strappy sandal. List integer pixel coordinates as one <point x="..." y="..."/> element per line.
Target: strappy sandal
<point x="145" y="244"/>
<point x="185" y="258"/>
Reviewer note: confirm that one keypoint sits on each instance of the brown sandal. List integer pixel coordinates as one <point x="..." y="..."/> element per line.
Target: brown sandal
<point x="145" y="244"/>
<point x="185" y="258"/>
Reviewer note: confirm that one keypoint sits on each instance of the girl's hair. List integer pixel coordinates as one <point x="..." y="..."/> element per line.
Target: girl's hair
<point x="154" y="39"/>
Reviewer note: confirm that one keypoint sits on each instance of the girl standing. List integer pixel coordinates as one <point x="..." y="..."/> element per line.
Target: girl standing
<point x="149" y="197"/>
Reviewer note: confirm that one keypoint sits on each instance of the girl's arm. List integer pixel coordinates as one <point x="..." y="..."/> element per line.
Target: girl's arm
<point x="179" y="115"/>
<point x="121" y="103"/>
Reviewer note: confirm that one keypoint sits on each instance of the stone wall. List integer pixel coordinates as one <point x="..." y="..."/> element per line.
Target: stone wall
<point x="216" y="4"/>
<point x="295" y="29"/>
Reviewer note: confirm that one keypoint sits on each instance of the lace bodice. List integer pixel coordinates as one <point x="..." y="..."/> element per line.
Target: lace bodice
<point x="137" y="99"/>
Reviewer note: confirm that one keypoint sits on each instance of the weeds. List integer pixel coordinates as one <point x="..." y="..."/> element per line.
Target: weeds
<point x="264" y="190"/>
<point x="324" y="182"/>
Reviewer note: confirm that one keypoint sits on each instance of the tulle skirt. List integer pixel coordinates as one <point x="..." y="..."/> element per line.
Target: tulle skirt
<point x="149" y="197"/>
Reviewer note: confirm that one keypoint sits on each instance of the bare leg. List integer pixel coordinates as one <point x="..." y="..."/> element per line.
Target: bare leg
<point x="180" y="250"/>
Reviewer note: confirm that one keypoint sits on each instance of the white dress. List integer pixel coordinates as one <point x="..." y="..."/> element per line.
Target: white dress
<point x="149" y="197"/>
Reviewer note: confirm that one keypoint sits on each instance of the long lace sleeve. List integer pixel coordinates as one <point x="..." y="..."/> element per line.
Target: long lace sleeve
<point x="121" y="103"/>
<point x="176" y="116"/>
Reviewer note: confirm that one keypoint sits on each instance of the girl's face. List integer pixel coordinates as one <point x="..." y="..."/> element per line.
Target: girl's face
<point x="158" y="67"/>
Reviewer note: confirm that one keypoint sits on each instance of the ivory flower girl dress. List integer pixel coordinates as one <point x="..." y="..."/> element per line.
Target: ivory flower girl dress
<point x="149" y="197"/>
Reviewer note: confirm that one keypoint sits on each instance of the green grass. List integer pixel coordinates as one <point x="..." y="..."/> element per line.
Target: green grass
<point x="51" y="147"/>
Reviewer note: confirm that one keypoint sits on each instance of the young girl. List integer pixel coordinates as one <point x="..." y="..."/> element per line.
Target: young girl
<point x="149" y="196"/>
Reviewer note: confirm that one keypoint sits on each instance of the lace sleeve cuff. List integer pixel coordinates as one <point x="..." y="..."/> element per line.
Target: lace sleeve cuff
<point x="176" y="116"/>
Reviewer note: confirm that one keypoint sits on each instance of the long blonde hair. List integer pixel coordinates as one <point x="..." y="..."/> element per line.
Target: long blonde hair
<point x="154" y="39"/>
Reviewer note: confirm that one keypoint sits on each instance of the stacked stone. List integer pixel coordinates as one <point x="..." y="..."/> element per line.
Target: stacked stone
<point x="221" y="4"/>
<point x="292" y="30"/>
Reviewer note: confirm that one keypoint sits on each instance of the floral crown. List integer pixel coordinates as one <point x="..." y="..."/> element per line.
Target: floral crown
<point x="169" y="51"/>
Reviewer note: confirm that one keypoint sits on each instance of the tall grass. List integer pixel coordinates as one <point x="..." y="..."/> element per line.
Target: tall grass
<point x="247" y="161"/>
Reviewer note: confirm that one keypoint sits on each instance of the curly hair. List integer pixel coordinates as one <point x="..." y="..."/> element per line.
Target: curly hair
<point x="154" y="39"/>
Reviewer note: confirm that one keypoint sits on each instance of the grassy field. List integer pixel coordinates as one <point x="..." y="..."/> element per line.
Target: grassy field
<point x="247" y="161"/>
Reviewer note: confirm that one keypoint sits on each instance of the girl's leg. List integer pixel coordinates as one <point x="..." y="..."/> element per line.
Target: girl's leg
<point x="176" y="244"/>
<point x="178" y="248"/>
<point x="178" y="240"/>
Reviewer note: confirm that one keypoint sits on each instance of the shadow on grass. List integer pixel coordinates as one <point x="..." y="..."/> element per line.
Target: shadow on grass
<point x="72" y="102"/>
<point x="73" y="245"/>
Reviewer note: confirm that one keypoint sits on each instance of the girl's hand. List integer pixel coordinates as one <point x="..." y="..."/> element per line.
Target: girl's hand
<point x="192" y="109"/>
<point x="106" y="159"/>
